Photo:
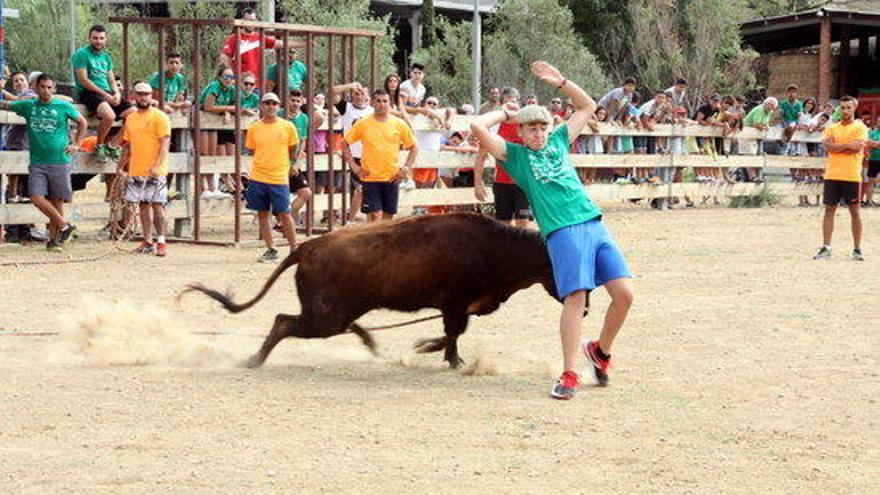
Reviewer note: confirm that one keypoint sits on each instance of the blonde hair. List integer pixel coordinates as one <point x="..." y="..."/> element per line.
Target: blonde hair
<point x="534" y="114"/>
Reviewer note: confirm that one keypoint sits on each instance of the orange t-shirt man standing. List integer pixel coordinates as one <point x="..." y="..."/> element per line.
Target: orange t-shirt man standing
<point x="845" y="142"/>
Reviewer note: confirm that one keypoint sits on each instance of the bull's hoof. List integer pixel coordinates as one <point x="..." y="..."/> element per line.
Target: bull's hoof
<point x="424" y="346"/>
<point x="455" y="362"/>
<point x="253" y="362"/>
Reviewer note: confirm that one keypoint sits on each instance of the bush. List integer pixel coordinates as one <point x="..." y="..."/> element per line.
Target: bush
<point x="767" y="197"/>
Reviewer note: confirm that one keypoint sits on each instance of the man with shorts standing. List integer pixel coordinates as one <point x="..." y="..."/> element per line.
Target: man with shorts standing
<point x="147" y="134"/>
<point x="273" y="141"/>
<point x="50" y="149"/>
<point x="511" y="205"/>
<point x="298" y="183"/>
<point x="873" y="164"/>
<point x="96" y="89"/>
<point x="382" y="136"/>
<point x="845" y="141"/>
<point x="582" y="252"/>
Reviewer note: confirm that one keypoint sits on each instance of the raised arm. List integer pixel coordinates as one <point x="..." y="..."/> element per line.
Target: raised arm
<point x="489" y="141"/>
<point x="584" y="106"/>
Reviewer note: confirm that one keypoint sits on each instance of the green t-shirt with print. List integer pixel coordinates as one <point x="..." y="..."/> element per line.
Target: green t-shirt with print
<point x="223" y="95"/>
<point x="96" y="64"/>
<point x="174" y="85"/>
<point x="551" y="183"/>
<point x="758" y="115"/>
<point x="296" y="74"/>
<point x="48" y="129"/>
<point x="874" y="135"/>
<point x="250" y="101"/>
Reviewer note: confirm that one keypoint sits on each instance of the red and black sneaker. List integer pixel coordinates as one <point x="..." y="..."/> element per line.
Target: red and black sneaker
<point x="566" y="386"/>
<point x="600" y="365"/>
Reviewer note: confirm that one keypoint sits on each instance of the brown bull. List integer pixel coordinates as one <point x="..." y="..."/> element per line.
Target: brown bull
<point x="462" y="264"/>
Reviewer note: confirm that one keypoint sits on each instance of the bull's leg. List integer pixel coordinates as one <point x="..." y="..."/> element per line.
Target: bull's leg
<point x="365" y="337"/>
<point x="285" y="326"/>
<point x="424" y="346"/>
<point x="454" y="324"/>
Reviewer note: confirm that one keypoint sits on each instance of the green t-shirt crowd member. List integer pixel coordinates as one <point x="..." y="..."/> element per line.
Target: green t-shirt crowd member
<point x="790" y="111"/>
<point x="48" y="129"/>
<point x="296" y="74"/>
<point x="96" y="64"/>
<point x="223" y="95"/>
<point x="174" y="85"/>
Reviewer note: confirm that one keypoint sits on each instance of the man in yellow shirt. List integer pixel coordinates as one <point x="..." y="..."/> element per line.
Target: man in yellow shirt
<point x="382" y="136"/>
<point x="273" y="141"/>
<point x="147" y="134"/>
<point x="845" y="142"/>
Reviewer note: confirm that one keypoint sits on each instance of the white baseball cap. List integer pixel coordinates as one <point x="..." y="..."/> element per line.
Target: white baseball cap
<point x="270" y="97"/>
<point x="143" y="87"/>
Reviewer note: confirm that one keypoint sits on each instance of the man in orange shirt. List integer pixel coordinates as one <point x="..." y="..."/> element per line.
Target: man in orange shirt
<point x="845" y="141"/>
<point x="147" y="134"/>
<point x="273" y="141"/>
<point x="382" y="136"/>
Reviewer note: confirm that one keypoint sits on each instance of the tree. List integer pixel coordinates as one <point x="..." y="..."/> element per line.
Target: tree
<point x="429" y="28"/>
<point x="605" y="28"/>
<point x="449" y="64"/>
<point x="350" y="14"/>
<point x="527" y="30"/>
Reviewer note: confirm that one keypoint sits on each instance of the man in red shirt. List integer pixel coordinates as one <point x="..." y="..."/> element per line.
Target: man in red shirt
<point x="250" y="48"/>
<point x="511" y="205"/>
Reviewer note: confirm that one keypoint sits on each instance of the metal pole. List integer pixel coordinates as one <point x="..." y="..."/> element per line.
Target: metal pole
<point x="197" y="132"/>
<point x="72" y="31"/>
<point x="261" y="74"/>
<point x="374" y="56"/>
<point x="125" y="81"/>
<point x="161" y="58"/>
<point x="310" y="152"/>
<point x="329" y="172"/>
<point x="237" y="197"/>
<point x="477" y="56"/>
<point x="282" y="62"/>
<point x="347" y="77"/>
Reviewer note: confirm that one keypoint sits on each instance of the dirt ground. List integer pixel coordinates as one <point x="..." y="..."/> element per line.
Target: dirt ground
<point x="745" y="367"/>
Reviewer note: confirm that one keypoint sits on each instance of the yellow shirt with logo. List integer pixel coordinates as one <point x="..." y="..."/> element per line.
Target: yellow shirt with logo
<point x="845" y="166"/>
<point x="271" y="144"/>
<point x="381" y="143"/>
<point x="144" y="132"/>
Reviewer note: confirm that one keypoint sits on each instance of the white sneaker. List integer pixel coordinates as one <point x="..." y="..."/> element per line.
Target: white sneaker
<point x="408" y="185"/>
<point x="221" y="195"/>
<point x="207" y="195"/>
<point x="39" y="234"/>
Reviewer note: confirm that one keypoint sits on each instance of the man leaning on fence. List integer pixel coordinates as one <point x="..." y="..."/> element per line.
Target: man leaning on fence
<point x="50" y="155"/>
<point x="147" y="134"/>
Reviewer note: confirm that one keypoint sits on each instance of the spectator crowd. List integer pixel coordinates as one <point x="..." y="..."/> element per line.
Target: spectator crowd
<point x="402" y="114"/>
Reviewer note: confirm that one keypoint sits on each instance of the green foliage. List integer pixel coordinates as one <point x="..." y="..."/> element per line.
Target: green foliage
<point x="523" y="31"/>
<point x="211" y="38"/>
<point x="605" y="28"/>
<point x="697" y="39"/>
<point x="350" y="14"/>
<point x="449" y="63"/>
<point x="429" y="27"/>
<point x="39" y="39"/>
<point x="769" y="8"/>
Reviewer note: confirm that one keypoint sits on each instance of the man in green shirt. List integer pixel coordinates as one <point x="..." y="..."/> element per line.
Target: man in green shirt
<point x="296" y="74"/>
<point x="761" y="116"/>
<point x="873" y="164"/>
<point x="791" y="107"/>
<point x="94" y="79"/>
<point x="301" y="122"/>
<point x="582" y="253"/>
<point x="175" y="85"/>
<point x="50" y="149"/>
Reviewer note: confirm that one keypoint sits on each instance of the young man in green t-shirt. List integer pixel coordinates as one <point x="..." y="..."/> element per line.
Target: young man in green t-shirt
<point x="50" y="149"/>
<point x="296" y="75"/>
<point x="175" y="85"/>
<point x="582" y="252"/>
<point x="96" y="89"/>
<point x="299" y="186"/>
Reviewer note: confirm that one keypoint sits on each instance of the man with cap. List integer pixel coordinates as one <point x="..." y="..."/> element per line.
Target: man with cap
<point x="273" y="142"/>
<point x="147" y="137"/>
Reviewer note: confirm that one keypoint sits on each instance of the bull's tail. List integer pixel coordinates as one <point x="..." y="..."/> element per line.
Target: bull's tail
<point x="226" y="300"/>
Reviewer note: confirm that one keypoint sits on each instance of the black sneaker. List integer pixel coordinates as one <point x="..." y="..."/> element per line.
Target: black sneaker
<point x="65" y="235"/>
<point x="823" y="254"/>
<point x="270" y="256"/>
<point x="53" y="247"/>
<point x="566" y="386"/>
<point x="857" y="255"/>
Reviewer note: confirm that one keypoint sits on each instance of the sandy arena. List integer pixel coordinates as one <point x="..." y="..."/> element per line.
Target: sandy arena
<point x="745" y="368"/>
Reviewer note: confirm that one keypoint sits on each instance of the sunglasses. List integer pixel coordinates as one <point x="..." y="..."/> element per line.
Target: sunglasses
<point x="249" y="83"/>
<point x="229" y="77"/>
<point x="432" y="103"/>
<point x="270" y="103"/>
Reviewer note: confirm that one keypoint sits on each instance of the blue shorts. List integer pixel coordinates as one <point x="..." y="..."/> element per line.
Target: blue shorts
<point x="380" y="196"/>
<point x="584" y="256"/>
<point x="264" y="197"/>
